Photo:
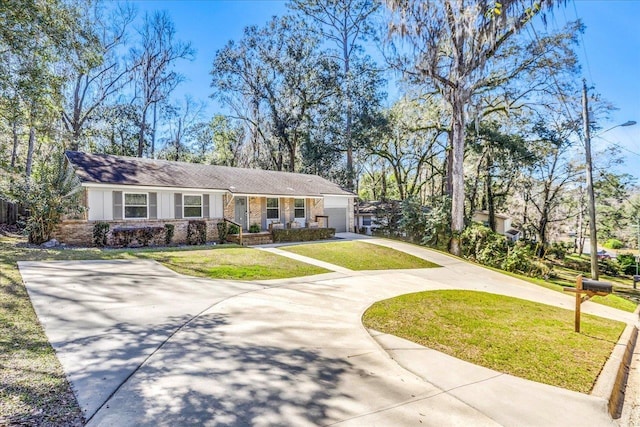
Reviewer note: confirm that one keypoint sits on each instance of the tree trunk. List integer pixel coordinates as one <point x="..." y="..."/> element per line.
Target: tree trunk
<point x="143" y="129"/>
<point x="490" y="197"/>
<point x="153" y="132"/>
<point x="32" y="145"/>
<point x="16" y="141"/>
<point x="457" y="174"/>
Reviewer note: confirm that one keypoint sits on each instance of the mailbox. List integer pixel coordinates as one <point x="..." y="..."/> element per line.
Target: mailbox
<point x="596" y="286"/>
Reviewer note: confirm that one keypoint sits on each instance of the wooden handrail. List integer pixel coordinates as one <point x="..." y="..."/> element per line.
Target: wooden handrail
<point x="237" y="225"/>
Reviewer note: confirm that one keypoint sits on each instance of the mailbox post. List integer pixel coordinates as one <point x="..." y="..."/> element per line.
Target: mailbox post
<point x="584" y="290"/>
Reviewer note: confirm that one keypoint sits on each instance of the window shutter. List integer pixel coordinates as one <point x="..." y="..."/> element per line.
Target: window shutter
<point x="117" y="205"/>
<point x="205" y="206"/>
<point x="153" y="205"/>
<point x="283" y="219"/>
<point x="177" y="198"/>
<point x="263" y="212"/>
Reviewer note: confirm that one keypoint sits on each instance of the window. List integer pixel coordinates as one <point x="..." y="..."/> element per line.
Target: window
<point x="366" y="220"/>
<point x="192" y="206"/>
<point x="135" y="205"/>
<point x="298" y="205"/>
<point x="273" y="208"/>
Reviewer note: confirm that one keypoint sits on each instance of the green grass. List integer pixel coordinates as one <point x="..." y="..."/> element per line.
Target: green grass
<point x="233" y="263"/>
<point x="34" y="389"/>
<point x="518" y="337"/>
<point x="356" y="255"/>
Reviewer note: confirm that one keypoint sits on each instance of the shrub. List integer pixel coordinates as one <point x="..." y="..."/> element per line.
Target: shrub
<point x="100" y="232"/>
<point x="626" y="263"/>
<point x="302" y="234"/>
<point x="126" y="236"/>
<point x="234" y="229"/>
<point x="254" y="228"/>
<point x="559" y="250"/>
<point x="223" y="230"/>
<point x="169" y="231"/>
<point x="609" y="267"/>
<point x="197" y="232"/>
<point x="613" y="244"/>
<point x="438" y="224"/>
<point x="413" y="220"/>
<point x="52" y="192"/>
<point x="146" y="234"/>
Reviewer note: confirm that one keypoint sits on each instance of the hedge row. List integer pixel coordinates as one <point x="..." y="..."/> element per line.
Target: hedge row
<point x="302" y="234"/>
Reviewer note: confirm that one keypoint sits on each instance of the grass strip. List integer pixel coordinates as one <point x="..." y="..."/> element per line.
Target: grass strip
<point x="356" y="255"/>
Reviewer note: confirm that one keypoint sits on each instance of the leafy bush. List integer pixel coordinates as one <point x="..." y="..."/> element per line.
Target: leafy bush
<point x="486" y="247"/>
<point x="197" y="232"/>
<point x="254" y="228"/>
<point x="143" y="236"/>
<point x="234" y="229"/>
<point x="223" y="230"/>
<point x="609" y="267"/>
<point x="627" y="263"/>
<point x="302" y="234"/>
<point x="52" y="192"/>
<point x="559" y="250"/>
<point x="613" y="244"/>
<point x="437" y="227"/>
<point x="413" y="220"/>
<point x="100" y="232"/>
<point x="169" y="231"/>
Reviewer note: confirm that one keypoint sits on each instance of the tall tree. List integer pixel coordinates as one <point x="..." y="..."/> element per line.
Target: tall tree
<point x="275" y="79"/>
<point x="453" y="44"/>
<point x="346" y="24"/>
<point x="97" y="72"/>
<point x="153" y="62"/>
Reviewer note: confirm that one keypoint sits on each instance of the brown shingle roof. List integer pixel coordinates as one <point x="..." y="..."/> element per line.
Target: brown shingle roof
<point x="119" y="170"/>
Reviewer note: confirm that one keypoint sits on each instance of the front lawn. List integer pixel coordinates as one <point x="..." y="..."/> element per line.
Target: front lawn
<point x="34" y="389"/>
<point x="518" y="337"/>
<point x="233" y="263"/>
<point x="356" y="255"/>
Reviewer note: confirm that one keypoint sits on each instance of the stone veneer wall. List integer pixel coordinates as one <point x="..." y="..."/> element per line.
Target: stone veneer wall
<point x="79" y="232"/>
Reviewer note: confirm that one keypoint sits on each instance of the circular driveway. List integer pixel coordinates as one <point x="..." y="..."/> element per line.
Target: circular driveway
<point x="143" y="345"/>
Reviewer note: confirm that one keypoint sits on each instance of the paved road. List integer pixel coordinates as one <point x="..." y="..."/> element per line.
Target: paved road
<point x="145" y="346"/>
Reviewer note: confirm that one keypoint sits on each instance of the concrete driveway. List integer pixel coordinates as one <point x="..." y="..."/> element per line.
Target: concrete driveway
<point x="143" y="345"/>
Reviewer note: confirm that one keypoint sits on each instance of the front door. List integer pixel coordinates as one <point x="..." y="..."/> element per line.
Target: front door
<point x="241" y="211"/>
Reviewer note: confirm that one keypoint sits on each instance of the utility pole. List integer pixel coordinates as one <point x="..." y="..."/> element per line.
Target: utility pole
<point x="593" y="238"/>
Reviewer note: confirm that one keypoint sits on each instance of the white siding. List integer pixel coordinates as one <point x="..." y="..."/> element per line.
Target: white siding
<point x="336" y="202"/>
<point x="165" y="205"/>
<point x="99" y="204"/>
<point x="215" y="208"/>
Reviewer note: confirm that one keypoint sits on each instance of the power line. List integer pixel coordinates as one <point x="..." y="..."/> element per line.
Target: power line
<point x="584" y="46"/>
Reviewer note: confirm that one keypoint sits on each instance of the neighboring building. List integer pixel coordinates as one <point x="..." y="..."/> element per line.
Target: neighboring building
<point x="126" y="191"/>
<point x="374" y="214"/>
<point x="503" y="224"/>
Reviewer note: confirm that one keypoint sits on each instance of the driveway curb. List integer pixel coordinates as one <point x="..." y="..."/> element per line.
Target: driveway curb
<point x="612" y="381"/>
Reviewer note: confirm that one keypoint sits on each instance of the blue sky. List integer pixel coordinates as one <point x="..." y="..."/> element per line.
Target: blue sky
<point x="610" y="53"/>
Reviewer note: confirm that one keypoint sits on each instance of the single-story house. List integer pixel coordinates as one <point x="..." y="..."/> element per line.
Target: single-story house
<point x="131" y="191"/>
<point x="503" y="224"/>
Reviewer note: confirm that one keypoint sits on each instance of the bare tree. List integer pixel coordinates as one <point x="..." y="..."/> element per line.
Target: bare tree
<point x="97" y="71"/>
<point x="153" y="61"/>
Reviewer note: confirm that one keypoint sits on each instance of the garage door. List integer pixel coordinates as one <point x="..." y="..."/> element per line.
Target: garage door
<point x="337" y="219"/>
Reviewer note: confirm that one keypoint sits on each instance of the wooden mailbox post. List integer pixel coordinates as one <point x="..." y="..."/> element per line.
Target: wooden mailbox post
<point x="585" y="289"/>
